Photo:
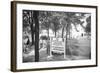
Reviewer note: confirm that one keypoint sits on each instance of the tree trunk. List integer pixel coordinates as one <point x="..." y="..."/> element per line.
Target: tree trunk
<point x="36" y="14"/>
<point x="31" y="26"/>
<point x="48" y="46"/>
<point x="66" y="43"/>
<point x="63" y="33"/>
<point x="69" y="33"/>
<point x="55" y="33"/>
<point x="32" y="29"/>
<point x="32" y="34"/>
<point x="48" y="33"/>
<point x="67" y="46"/>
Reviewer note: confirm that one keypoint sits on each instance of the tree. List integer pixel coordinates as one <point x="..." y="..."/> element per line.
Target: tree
<point x="32" y="26"/>
<point x="36" y="21"/>
<point x="63" y="24"/>
<point x="45" y="20"/>
<point x="25" y="18"/>
<point x="72" y="18"/>
<point x="45" y="23"/>
<point x="56" y="24"/>
<point x="28" y="21"/>
<point x="88" y="26"/>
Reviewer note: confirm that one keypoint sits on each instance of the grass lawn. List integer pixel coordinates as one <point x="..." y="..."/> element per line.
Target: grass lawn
<point x="78" y="50"/>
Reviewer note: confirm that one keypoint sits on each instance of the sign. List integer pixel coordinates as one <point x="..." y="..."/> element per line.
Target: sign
<point x="57" y="45"/>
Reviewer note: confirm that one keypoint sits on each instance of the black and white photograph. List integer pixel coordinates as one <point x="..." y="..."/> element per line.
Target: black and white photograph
<point x="62" y="35"/>
<point x="53" y="36"/>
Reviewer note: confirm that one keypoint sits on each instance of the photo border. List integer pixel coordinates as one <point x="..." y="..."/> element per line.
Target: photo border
<point x="14" y="35"/>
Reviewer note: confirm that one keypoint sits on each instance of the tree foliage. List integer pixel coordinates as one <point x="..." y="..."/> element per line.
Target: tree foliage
<point x="88" y="26"/>
<point x="28" y="21"/>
